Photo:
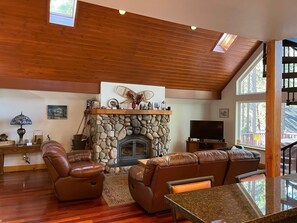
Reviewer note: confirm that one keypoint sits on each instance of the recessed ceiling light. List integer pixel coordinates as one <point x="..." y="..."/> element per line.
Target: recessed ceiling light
<point x="193" y="27"/>
<point x="122" y="12"/>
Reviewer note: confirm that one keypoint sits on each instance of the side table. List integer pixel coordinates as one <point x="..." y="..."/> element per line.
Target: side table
<point x="16" y="150"/>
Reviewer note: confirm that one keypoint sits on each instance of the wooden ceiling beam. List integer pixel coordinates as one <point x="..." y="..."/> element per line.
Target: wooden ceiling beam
<point x="49" y="85"/>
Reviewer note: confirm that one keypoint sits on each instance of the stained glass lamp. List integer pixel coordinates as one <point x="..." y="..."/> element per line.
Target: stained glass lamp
<point x="21" y="120"/>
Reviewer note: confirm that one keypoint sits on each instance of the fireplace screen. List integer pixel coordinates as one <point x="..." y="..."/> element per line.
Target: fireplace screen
<point x="132" y="148"/>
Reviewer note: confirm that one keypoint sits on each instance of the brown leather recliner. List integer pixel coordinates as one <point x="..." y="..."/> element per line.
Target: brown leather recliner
<point x="74" y="175"/>
<point x="147" y="184"/>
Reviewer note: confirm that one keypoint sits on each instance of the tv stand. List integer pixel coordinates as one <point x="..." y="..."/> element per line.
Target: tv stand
<point x="193" y="146"/>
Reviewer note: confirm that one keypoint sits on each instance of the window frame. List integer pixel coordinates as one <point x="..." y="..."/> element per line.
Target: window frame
<point x="63" y="19"/>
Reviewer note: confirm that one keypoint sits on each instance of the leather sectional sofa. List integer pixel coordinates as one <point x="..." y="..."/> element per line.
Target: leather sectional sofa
<point x="147" y="183"/>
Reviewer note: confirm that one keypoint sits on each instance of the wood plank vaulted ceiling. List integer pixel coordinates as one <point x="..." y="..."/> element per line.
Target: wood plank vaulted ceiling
<point x="106" y="46"/>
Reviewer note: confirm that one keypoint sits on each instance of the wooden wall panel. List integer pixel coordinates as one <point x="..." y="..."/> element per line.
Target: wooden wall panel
<point x="106" y="46"/>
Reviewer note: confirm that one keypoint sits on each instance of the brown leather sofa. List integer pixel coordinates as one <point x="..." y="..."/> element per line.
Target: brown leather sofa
<point x="147" y="183"/>
<point x="213" y="163"/>
<point x="240" y="161"/>
<point x="74" y="175"/>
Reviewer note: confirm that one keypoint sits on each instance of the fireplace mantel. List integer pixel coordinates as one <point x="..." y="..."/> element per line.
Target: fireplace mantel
<point x="99" y="111"/>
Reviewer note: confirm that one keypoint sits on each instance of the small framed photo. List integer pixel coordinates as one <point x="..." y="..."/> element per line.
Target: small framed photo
<point x="224" y="112"/>
<point x="57" y="112"/>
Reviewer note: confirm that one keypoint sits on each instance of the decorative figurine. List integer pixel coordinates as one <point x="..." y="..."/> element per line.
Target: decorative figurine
<point x="163" y="105"/>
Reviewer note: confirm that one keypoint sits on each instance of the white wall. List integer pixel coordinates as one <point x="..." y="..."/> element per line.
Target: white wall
<point x="184" y="110"/>
<point x="34" y="105"/>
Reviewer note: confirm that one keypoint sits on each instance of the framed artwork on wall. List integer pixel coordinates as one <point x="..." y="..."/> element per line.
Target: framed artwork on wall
<point x="57" y="112"/>
<point x="224" y="112"/>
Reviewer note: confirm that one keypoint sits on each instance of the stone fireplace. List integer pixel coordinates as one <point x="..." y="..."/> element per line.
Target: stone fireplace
<point x="121" y="137"/>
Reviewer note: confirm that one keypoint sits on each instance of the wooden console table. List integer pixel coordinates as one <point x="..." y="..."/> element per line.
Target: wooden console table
<point x="15" y="150"/>
<point x="193" y="146"/>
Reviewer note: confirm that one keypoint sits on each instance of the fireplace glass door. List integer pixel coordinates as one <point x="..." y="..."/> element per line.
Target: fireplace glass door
<point x="132" y="148"/>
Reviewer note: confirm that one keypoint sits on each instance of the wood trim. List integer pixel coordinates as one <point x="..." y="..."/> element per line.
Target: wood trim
<point x="192" y="94"/>
<point x="98" y="111"/>
<point x="273" y="108"/>
<point x="20" y="149"/>
<point x="49" y="85"/>
<point x="8" y="169"/>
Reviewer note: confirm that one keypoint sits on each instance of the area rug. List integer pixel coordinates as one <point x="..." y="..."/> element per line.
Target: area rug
<point x="116" y="191"/>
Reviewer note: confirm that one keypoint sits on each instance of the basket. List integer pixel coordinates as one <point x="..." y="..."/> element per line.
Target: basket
<point x="79" y="141"/>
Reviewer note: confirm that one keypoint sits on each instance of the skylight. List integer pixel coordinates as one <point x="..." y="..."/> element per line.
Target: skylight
<point x="224" y="43"/>
<point x="62" y="12"/>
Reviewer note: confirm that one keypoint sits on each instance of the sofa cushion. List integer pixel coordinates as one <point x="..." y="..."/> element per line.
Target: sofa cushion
<point x="213" y="163"/>
<point x="79" y="155"/>
<point x="240" y="162"/>
<point x="238" y="154"/>
<point x="173" y="159"/>
<point x="211" y="156"/>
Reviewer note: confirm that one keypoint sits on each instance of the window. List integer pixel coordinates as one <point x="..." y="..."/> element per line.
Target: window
<point x="224" y="43"/>
<point x="251" y="108"/>
<point x="62" y="12"/>
<point x="289" y="122"/>
<point x="252" y="81"/>
<point x="252" y="123"/>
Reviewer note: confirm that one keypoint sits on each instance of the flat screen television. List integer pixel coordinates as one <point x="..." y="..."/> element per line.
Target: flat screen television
<point x="207" y="130"/>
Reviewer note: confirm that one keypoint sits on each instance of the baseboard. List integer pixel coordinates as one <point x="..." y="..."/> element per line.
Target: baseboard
<point x="8" y="169"/>
<point x="261" y="166"/>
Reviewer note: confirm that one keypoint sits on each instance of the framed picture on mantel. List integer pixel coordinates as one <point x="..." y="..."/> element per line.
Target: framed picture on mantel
<point x="224" y="112"/>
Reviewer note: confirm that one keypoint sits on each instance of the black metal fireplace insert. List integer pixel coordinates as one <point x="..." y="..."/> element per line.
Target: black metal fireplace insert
<point x="132" y="148"/>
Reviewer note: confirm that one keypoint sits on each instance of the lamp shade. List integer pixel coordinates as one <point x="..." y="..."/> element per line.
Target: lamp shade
<point x="21" y="120"/>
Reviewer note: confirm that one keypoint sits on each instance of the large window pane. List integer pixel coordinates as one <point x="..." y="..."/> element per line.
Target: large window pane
<point x="253" y="82"/>
<point x="252" y="123"/>
<point x="289" y="122"/>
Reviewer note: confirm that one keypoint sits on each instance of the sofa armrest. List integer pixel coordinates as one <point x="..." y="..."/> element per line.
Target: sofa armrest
<point x="86" y="169"/>
<point x="79" y="155"/>
<point x="136" y="172"/>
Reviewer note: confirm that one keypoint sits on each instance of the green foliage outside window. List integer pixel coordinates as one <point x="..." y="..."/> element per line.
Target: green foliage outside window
<point x="64" y="7"/>
<point x="253" y="82"/>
